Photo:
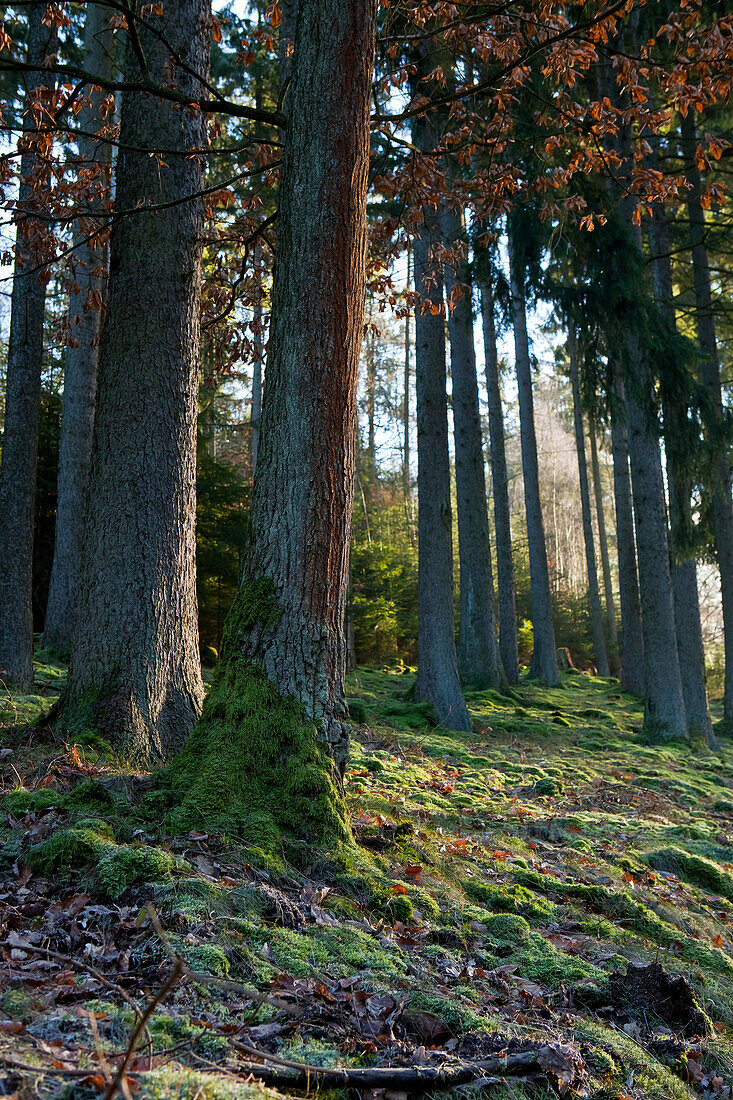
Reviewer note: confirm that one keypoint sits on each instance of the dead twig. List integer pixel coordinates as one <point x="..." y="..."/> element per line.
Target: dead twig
<point x="139" y="1028"/>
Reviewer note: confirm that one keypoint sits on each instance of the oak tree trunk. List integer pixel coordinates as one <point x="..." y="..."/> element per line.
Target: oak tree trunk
<point x="500" y="485"/>
<point x="722" y="506"/>
<point x="23" y="382"/>
<point x="594" y="599"/>
<point x="479" y="663"/>
<point x="80" y="366"/>
<point x="544" y="654"/>
<point x="632" y="645"/>
<point x="135" y="670"/>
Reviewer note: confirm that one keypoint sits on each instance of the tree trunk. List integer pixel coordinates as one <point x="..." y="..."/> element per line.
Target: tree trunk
<point x="500" y="480"/>
<point x="437" y="669"/>
<point x="23" y="385"/>
<point x="722" y="507"/>
<point x="371" y="388"/>
<point x="478" y="651"/>
<point x="272" y="742"/>
<point x="603" y="538"/>
<point x="80" y="368"/>
<point x="632" y="645"/>
<point x="544" y="655"/>
<point x="678" y="442"/>
<point x="594" y="599"/>
<point x="135" y="670"/>
<point x="406" y="479"/>
<point x="259" y="350"/>
<point x="664" y="710"/>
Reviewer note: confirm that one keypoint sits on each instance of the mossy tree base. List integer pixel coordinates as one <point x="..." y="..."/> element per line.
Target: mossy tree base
<point x="256" y="769"/>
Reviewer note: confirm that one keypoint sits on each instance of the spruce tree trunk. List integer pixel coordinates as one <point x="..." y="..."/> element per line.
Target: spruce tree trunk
<point x="603" y="539"/>
<point x="676" y="415"/>
<point x="544" y="654"/>
<point x="80" y="367"/>
<point x="632" y="645"/>
<point x="722" y="507"/>
<point x="259" y="350"/>
<point x="594" y="599"/>
<point x="406" y="479"/>
<point x="437" y="669"/>
<point x="276" y="713"/>
<point x="500" y="481"/>
<point x="479" y="663"/>
<point x="664" y="710"/>
<point x="23" y="389"/>
<point x="135" y="671"/>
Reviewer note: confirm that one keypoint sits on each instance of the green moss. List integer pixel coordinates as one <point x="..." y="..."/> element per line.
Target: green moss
<point x="205" y="958"/>
<point x="456" y="1016"/>
<point x="507" y="928"/>
<point x="542" y="962"/>
<point x="400" y="908"/>
<point x="16" y="1004"/>
<point x="71" y="849"/>
<point x="614" y="1053"/>
<point x="91" y="797"/>
<point x="549" y="786"/>
<point x="511" y="899"/>
<point x="20" y="801"/>
<point x="121" y="866"/>
<point x="691" y="868"/>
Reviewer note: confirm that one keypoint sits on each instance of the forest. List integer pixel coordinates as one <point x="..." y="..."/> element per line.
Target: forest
<point x="366" y="549"/>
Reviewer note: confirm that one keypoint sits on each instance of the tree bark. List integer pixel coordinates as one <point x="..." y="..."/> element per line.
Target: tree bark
<point x="23" y="382"/>
<point x="500" y="481"/>
<point x="664" y="710"/>
<point x="406" y="479"/>
<point x="479" y="663"/>
<point x="722" y="506"/>
<point x="632" y="645"/>
<point x="286" y="629"/>
<point x="135" y="670"/>
<point x="676" y="416"/>
<point x="544" y="655"/>
<point x="259" y="350"/>
<point x="603" y="538"/>
<point x="80" y="368"/>
<point x="594" y="599"/>
<point x="437" y="668"/>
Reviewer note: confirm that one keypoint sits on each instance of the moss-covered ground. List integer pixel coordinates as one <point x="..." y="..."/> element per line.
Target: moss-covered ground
<point x="506" y="888"/>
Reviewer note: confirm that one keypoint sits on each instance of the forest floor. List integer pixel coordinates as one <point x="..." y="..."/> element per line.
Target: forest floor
<point x="545" y="904"/>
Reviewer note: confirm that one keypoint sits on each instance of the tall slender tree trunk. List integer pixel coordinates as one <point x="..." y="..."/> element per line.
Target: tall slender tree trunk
<point x="80" y="367"/>
<point x="722" y="507"/>
<point x="544" y="654"/>
<point x="259" y="350"/>
<point x="23" y="382"/>
<point x="603" y="537"/>
<point x="676" y="416"/>
<point x="594" y="598"/>
<point x="406" y="479"/>
<point x="371" y="388"/>
<point x="277" y="711"/>
<point x="479" y="663"/>
<point x="437" y="668"/>
<point x="632" y="645"/>
<point x="500" y="481"/>
<point x="135" y="670"/>
<point x="664" y="711"/>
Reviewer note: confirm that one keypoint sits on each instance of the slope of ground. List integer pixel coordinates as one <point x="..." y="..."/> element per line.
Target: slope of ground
<point x="543" y="905"/>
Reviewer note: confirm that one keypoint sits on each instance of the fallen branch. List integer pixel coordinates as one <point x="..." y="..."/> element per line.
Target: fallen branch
<point x="51" y="1071"/>
<point x="562" y="1062"/>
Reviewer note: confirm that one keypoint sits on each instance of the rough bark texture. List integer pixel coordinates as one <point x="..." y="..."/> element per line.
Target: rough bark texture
<point x="544" y="654"/>
<point x="23" y="392"/>
<point x="437" y="669"/>
<point x="478" y="650"/>
<point x="406" y="478"/>
<point x="259" y="351"/>
<point x="135" y="669"/>
<point x="594" y="598"/>
<point x="80" y="367"/>
<point x="722" y="507"/>
<point x="632" y="645"/>
<point x="664" y="710"/>
<point x="304" y="483"/>
<point x="500" y="484"/>
<point x="603" y="539"/>
<point x="690" y="648"/>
